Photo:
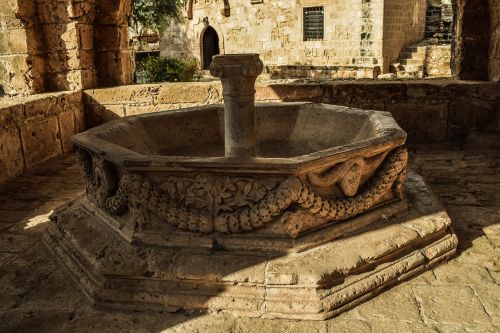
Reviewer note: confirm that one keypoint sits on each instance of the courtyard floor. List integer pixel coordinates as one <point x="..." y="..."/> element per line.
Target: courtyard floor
<point x="462" y="295"/>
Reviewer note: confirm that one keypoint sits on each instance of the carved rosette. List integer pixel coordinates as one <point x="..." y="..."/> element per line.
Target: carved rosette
<point x="208" y="202"/>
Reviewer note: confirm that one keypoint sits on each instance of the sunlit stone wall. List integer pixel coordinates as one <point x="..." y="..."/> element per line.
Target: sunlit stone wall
<point x="354" y="33"/>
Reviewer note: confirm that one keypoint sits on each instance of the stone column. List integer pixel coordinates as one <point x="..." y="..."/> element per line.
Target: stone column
<point x="238" y="73"/>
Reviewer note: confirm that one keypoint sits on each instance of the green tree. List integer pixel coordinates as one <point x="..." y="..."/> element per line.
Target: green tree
<point x="152" y="15"/>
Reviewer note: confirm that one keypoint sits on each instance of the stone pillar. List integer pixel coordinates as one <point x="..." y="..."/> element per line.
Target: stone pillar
<point x="22" y="54"/>
<point x="67" y="30"/>
<point x="114" y="55"/>
<point x="238" y="73"/>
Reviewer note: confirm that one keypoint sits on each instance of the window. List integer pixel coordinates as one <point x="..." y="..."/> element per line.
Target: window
<point x="313" y="23"/>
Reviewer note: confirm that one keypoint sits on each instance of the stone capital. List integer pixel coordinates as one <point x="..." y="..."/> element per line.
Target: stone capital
<point x="236" y="66"/>
<point x="237" y="73"/>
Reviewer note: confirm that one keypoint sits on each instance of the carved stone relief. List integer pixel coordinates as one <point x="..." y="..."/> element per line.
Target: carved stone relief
<point x="207" y="202"/>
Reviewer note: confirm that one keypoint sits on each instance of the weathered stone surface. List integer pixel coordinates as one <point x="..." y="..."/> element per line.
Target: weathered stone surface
<point x="494" y="56"/>
<point x="466" y="116"/>
<point x="49" y="45"/>
<point x="422" y="124"/>
<point x="359" y="38"/>
<point x="232" y="289"/>
<point x="473" y="22"/>
<point x="400" y="303"/>
<point x="41" y="141"/>
<point x="447" y="304"/>
<point x="56" y="305"/>
<point x="33" y="122"/>
<point x="423" y="107"/>
<point x="68" y="128"/>
<point x="11" y="154"/>
<point x="200" y="93"/>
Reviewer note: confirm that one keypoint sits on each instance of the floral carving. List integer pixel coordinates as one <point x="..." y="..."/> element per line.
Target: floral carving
<point x="217" y="194"/>
<point x="208" y="202"/>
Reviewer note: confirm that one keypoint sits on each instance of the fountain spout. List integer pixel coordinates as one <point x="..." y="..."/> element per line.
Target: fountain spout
<point x="238" y="73"/>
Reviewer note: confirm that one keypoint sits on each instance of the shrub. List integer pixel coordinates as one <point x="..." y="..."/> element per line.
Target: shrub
<point x="164" y="69"/>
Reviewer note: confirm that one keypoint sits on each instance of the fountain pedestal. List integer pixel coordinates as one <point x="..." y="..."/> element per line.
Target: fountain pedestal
<point x="238" y="73"/>
<point x="179" y="213"/>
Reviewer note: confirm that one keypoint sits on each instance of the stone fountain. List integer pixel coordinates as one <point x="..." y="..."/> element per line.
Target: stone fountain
<point x="284" y="210"/>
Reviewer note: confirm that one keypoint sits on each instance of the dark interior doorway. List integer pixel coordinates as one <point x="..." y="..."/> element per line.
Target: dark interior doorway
<point x="210" y="46"/>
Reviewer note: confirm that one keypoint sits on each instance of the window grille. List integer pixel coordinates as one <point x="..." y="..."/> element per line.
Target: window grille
<point x="314" y="23"/>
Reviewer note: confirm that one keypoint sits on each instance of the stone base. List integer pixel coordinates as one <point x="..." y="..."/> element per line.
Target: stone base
<point x="316" y="283"/>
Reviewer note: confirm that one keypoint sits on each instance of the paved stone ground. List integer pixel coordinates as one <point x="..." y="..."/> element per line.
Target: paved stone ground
<point x="460" y="296"/>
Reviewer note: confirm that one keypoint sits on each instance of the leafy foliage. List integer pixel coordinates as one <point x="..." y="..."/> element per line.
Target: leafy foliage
<point x="153" y="14"/>
<point x="164" y="69"/>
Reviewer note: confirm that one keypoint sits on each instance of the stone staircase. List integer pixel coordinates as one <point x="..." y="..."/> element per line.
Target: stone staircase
<point x="411" y="61"/>
<point x="426" y="58"/>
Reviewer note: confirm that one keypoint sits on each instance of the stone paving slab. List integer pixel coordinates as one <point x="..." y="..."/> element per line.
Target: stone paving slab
<point x="459" y="296"/>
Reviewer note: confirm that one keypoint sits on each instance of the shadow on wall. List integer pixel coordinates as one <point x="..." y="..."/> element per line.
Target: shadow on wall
<point x="2" y="92"/>
<point x="55" y="22"/>
<point x="471" y="47"/>
<point x="22" y="69"/>
<point x="51" y="45"/>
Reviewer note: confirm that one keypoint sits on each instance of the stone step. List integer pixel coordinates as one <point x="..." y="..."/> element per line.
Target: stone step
<point x="411" y="68"/>
<point x="409" y="55"/>
<point x="387" y="76"/>
<point x="415" y="49"/>
<point x="415" y="62"/>
<point x="412" y="55"/>
<point x="406" y="75"/>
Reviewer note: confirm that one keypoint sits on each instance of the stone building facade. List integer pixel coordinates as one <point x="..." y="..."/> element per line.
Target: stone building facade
<point x="356" y="39"/>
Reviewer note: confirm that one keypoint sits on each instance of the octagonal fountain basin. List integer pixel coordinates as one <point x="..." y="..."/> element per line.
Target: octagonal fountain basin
<point x="167" y="174"/>
<point x="288" y="136"/>
<point x="289" y="210"/>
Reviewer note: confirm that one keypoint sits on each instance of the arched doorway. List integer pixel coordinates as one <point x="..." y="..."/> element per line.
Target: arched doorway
<point x="210" y="46"/>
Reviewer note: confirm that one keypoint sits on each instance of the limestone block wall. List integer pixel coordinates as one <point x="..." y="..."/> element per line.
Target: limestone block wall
<point x="274" y="29"/>
<point x="494" y="61"/>
<point x="403" y="24"/>
<point x="430" y="111"/>
<point x="36" y="128"/>
<point x="114" y="55"/>
<point x="439" y="19"/>
<point x="58" y="45"/>
<point x="357" y="34"/>
<point x="22" y="54"/>
<point x="437" y="60"/>
<point x="67" y="30"/>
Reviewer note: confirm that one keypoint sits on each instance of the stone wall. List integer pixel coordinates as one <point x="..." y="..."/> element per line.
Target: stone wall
<point x="67" y="33"/>
<point x="37" y="128"/>
<point x="274" y="29"/>
<point x="430" y="111"/>
<point x="403" y="24"/>
<point x="437" y="60"/>
<point x="58" y="45"/>
<point x="439" y="19"/>
<point x="114" y="55"/>
<point x="471" y="42"/>
<point x="22" y="54"/>
<point x="494" y="61"/>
